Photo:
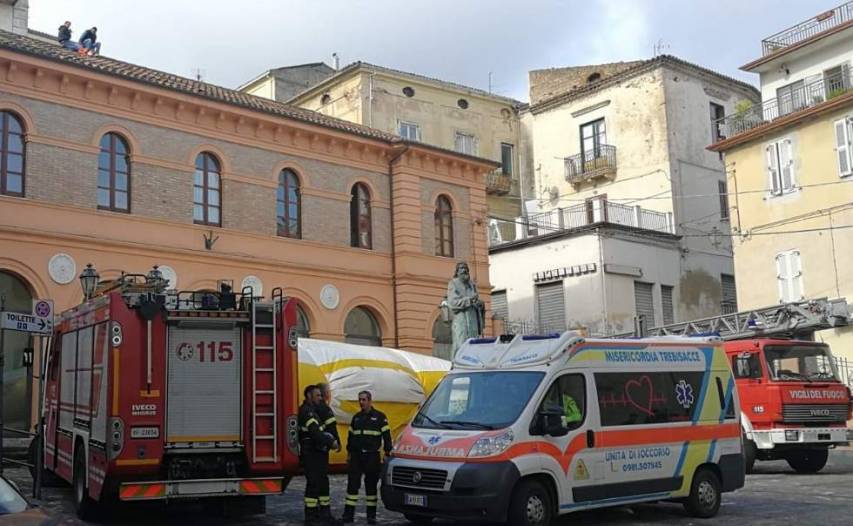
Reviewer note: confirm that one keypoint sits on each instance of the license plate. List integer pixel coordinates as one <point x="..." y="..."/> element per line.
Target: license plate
<point x="414" y="500"/>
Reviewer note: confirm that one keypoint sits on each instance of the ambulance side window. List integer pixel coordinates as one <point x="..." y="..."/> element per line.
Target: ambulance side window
<point x="567" y="396"/>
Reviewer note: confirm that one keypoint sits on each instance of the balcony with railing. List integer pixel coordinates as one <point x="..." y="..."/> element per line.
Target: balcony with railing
<point x="499" y="183"/>
<point x="596" y="211"/>
<point x="807" y="29"/>
<point x="599" y="162"/>
<point x="800" y="96"/>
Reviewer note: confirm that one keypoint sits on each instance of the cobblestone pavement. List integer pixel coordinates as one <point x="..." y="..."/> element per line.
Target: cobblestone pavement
<point x="773" y="495"/>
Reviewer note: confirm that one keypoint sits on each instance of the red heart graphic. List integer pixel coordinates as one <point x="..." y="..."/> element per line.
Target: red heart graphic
<point x="644" y="397"/>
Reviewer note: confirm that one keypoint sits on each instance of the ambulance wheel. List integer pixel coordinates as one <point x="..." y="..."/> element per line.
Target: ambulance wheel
<point x="530" y="505"/>
<point x="417" y="519"/>
<point x="705" y="496"/>
<point x="750" y="450"/>
<point x="808" y="460"/>
<point x="83" y="504"/>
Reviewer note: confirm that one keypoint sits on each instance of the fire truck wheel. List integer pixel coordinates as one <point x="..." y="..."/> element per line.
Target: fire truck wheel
<point x="530" y="505"/>
<point x="704" y="498"/>
<point x="807" y="460"/>
<point x="83" y="504"/>
<point x="750" y="450"/>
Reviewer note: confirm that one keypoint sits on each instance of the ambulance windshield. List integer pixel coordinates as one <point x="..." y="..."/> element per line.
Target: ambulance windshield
<point x="808" y="363"/>
<point x="489" y="400"/>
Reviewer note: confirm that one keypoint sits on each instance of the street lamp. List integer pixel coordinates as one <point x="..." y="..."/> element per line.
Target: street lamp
<point x="89" y="281"/>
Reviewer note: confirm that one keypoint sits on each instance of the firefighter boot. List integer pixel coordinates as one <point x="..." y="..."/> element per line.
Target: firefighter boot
<point x="325" y="516"/>
<point x="311" y="517"/>
<point x="371" y="515"/>
<point x="349" y="515"/>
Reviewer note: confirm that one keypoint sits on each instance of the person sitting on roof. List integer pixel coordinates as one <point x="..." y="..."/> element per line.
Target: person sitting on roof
<point x="89" y="41"/>
<point x="64" y="37"/>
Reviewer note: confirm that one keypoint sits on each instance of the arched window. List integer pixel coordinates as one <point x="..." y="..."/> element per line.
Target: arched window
<point x="443" y="227"/>
<point x="442" y="339"/>
<point x="114" y="174"/>
<point x="207" y="191"/>
<point x="303" y="326"/>
<point x="361" y="328"/>
<point x="288" y="205"/>
<point x="359" y="212"/>
<point x="11" y="154"/>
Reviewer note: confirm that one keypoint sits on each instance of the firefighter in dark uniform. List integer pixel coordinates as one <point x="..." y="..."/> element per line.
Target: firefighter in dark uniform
<point x="368" y="434"/>
<point x="328" y="424"/>
<point x="314" y="454"/>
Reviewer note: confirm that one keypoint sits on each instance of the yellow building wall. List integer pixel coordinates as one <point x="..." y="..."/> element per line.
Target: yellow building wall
<point x="800" y="221"/>
<point x="263" y="88"/>
<point x="344" y="100"/>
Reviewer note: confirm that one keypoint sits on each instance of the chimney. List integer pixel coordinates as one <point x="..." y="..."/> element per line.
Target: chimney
<point x="336" y="61"/>
<point x="14" y="16"/>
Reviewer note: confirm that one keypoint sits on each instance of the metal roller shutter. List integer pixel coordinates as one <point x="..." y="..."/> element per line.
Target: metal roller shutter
<point x="204" y="384"/>
<point x="666" y="304"/>
<point x="499" y="305"/>
<point x="551" y="307"/>
<point x="644" y="302"/>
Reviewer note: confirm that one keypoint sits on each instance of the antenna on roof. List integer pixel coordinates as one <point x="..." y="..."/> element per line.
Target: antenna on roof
<point x="490" y="82"/>
<point x="336" y="61"/>
<point x="658" y="47"/>
<point x="198" y="73"/>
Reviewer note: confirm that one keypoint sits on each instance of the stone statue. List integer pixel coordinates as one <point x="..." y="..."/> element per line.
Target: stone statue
<point x="463" y="302"/>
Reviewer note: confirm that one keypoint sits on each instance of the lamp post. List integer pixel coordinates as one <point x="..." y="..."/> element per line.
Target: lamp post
<point x="89" y="281"/>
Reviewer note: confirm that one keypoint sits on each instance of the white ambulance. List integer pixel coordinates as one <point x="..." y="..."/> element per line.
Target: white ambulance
<point x="525" y="428"/>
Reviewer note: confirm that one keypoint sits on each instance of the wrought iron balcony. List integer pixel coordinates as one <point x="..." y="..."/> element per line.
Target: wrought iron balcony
<point x="498" y="183"/>
<point x="599" y="162"/>
<point x="807" y="29"/>
<point x="807" y="95"/>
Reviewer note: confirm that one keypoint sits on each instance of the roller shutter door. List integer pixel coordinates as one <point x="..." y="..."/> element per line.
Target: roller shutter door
<point x="551" y="307"/>
<point x="644" y="302"/>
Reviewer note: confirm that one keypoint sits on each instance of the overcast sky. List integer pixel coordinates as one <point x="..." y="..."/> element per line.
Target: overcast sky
<point x="455" y="40"/>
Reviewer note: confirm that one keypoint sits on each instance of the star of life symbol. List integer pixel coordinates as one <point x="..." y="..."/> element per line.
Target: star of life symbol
<point x="433" y="440"/>
<point x="684" y="394"/>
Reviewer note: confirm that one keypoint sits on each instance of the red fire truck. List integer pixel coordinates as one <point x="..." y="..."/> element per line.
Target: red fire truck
<point x="794" y="406"/>
<point x="156" y="394"/>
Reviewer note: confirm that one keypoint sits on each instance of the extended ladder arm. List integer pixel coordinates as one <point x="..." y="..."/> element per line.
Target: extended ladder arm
<point x="784" y="320"/>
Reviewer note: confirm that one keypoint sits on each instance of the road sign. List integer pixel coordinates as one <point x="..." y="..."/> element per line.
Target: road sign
<point x="17" y="321"/>
<point x="43" y="309"/>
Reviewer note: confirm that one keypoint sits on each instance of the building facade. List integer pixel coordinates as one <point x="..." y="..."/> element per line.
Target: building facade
<point x="418" y="108"/>
<point x="624" y="144"/>
<point x="123" y="167"/>
<point x="789" y="161"/>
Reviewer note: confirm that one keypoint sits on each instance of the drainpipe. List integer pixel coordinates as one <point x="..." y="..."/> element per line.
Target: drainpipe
<point x="603" y="280"/>
<point x="399" y="152"/>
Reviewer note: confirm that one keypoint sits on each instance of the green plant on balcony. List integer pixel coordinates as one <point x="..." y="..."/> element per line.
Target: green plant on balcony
<point x="738" y="120"/>
<point x="837" y="92"/>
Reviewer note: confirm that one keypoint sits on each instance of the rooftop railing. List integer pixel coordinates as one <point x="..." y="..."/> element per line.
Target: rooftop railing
<point x="795" y="97"/>
<point x="807" y="29"/>
<point x="593" y="212"/>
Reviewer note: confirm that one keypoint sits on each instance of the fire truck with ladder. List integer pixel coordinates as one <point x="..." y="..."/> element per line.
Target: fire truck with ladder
<point x="159" y="394"/>
<point x="794" y="405"/>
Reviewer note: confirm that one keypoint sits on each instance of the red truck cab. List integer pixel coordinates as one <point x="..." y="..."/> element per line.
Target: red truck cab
<point x="794" y="407"/>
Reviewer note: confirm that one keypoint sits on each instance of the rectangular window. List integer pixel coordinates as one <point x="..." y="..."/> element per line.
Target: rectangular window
<point x="500" y="309"/>
<point x="639" y="398"/>
<point x="507" y="158"/>
<point x="728" y="294"/>
<point x="836" y="80"/>
<point x="644" y="302"/>
<point x="718" y="112"/>
<point x="551" y="307"/>
<point x="789" y="274"/>
<point x="666" y="304"/>
<point x="780" y="167"/>
<point x="722" y="188"/>
<point x="791" y="98"/>
<point x="410" y="131"/>
<point x="466" y="143"/>
<point x="567" y="397"/>
<point x="843" y="133"/>
<point x="593" y="137"/>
